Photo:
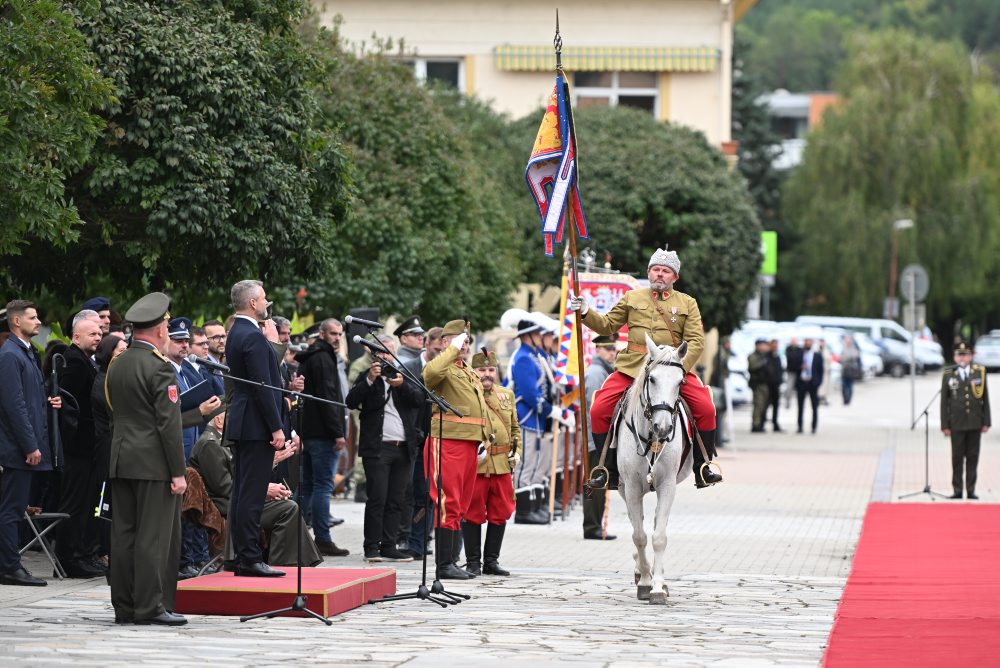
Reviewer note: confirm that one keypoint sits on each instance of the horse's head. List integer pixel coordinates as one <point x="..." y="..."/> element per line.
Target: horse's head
<point x="663" y="375"/>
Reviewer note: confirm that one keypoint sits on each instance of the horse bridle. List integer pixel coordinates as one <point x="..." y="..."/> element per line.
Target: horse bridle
<point x="649" y="409"/>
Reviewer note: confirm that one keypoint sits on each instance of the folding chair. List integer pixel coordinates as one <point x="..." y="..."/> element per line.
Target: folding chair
<point x="53" y="520"/>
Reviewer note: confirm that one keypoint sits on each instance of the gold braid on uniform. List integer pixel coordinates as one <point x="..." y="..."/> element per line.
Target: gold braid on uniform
<point x="977" y="390"/>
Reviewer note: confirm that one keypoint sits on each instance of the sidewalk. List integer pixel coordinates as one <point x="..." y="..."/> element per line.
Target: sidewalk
<point x="756" y="568"/>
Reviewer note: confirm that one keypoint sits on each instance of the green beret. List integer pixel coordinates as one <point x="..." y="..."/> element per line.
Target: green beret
<point x="454" y="327"/>
<point x="480" y="360"/>
<point x="149" y="311"/>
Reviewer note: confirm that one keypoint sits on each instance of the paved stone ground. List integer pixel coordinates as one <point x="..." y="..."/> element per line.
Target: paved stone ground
<point x="756" y="567"/>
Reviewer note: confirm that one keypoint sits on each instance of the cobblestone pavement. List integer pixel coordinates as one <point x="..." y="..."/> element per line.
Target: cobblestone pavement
<point x="755" y="570"/>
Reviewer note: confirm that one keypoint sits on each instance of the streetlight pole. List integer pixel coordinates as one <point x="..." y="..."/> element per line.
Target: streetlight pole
<point x="890" y="307"/>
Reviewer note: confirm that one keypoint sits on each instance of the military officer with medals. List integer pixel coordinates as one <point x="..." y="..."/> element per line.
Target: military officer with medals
<point x="452" y="454"/>
<point x="669" y="317"/>
<point x="146" y="471"/>
<point x="965" y="417"/>
<point x="492" y="500"/>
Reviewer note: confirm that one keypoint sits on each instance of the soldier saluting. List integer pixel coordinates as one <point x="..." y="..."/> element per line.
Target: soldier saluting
<point x="669" y="317"/>
<point x="965" y="416"/>
<point x="146" y="472"/>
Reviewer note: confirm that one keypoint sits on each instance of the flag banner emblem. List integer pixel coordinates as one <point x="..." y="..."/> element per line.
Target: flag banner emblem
<point x="551" y="172"/>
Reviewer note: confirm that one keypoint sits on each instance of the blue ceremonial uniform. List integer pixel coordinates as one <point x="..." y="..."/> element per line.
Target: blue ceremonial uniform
<point x="531" y="386"/>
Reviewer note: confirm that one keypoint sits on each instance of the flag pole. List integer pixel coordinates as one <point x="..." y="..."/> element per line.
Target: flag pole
<point x="571" y="224"/>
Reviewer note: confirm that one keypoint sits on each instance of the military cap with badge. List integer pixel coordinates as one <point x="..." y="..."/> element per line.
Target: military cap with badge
<point x="409" y="326"/>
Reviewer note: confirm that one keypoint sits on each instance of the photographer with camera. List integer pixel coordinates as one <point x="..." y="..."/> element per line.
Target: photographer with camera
<point x="387" y="442"/>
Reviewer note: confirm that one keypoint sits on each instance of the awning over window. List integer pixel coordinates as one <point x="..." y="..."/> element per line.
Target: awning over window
<point x="608" y="58"/>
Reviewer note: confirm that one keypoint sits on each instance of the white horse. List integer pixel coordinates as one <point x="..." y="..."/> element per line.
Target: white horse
<point x="650" y="445"/>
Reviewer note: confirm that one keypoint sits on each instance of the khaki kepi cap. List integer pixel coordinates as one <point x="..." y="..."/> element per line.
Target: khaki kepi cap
<point x="454" y="327"/>
<point x="480" y="360"/>
<point x="149" y="311"/>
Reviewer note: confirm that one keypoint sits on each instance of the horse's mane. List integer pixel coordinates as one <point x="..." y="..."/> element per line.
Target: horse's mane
<point x="632" y="404"/>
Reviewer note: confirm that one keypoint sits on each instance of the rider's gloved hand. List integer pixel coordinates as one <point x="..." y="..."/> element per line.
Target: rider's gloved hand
<point x="579" y="304"/>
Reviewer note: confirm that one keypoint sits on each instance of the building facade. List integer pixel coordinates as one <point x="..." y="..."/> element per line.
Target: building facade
<point x="670" y="57"/>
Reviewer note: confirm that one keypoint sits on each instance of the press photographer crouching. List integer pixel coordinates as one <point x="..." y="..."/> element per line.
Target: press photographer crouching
<point x="388" y="439"/>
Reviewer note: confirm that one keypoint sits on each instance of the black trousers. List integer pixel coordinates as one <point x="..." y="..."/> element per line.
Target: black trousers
<point x="15" y="488"/>
<point x="775" y="399"/>
<point x="252" y="462"/>
<point x="813" y="392"/>
<point x="965" y="451"/>
<point x="593" y="505"/>
<point x="385" y="483"/>
<point x="75" y="537"/>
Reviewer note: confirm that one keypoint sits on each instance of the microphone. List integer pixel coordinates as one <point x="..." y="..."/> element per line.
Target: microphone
<point x="361" y="321"/>
<point x="215" y="366"/>
<point x="374" y="347"/>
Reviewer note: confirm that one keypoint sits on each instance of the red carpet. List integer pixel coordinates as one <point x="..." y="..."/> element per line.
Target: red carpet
<point x="924" y="588"/>
<point x="330" y="591"/>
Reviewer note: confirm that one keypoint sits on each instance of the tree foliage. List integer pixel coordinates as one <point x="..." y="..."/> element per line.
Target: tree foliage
<point x="211" y="166"/>
<point x="915" y="137"/>
<point x="50" y="92"/>
<point x="647" y="184"/>
<point x="429" y="233"/>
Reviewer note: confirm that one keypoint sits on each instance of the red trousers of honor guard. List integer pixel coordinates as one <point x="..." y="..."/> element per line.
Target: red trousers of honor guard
<point x="695" y="393"/>
<point x="458" y="466"/>
<point x="492" y="499"/>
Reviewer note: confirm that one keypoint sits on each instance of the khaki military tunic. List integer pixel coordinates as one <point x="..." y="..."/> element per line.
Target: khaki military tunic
<point x="460" y="387"/>
<point x="505" y="429"/>
<point x="965" y="404"/>
<point x="670" y="318"/>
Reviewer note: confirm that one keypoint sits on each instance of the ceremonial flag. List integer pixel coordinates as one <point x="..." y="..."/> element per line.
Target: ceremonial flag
<point x="551" y="172"/>
<point x="567" y="371"/>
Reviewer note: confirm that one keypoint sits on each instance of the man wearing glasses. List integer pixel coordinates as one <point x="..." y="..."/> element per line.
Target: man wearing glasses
<point x="253" y="423"/>
<point x="216" y="334"/>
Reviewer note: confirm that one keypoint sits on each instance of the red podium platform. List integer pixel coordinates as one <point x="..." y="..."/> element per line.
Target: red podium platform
<point x="330" y="591"/>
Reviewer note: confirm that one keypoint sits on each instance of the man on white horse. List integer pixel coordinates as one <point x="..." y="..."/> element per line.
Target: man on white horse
<point x="669" y="318"/>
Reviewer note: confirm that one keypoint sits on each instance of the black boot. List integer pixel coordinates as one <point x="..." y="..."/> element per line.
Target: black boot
<point x="473" y="535"/>
<point x="491" y="553"/>
<point x="600" y="480"/>
<point x="446" y="569"/>
<point x="710" y="476"/>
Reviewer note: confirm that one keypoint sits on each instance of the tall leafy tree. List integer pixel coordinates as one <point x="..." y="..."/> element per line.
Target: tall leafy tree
<point x="915" y="137"/>
<point x="50" y="93"/>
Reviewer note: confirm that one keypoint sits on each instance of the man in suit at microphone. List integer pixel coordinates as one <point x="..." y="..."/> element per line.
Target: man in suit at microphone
<point x="253" y="424"/>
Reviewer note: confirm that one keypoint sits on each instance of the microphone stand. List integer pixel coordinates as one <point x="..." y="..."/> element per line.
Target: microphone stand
<point x="925" y="414"/>
<point x="299" y="602"/>
<point x="436" y="593"/>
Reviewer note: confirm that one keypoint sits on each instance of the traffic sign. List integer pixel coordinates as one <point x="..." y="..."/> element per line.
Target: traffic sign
<point x="914" y="277"/>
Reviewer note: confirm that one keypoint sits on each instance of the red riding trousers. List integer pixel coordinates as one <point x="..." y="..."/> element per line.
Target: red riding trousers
<point x="695" y="393"/>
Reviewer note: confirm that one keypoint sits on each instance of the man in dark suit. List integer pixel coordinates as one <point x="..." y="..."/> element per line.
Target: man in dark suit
<point x="76" y="544"/>
<point x="808" y="380"/>
<point x="146" y="471"/>
<point x="965" y="417"/>
<point x="253" y="424"/>
<point x="24" y="440"/>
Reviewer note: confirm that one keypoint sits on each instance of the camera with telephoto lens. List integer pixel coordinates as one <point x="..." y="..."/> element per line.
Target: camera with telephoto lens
<point x="388" y="371"/>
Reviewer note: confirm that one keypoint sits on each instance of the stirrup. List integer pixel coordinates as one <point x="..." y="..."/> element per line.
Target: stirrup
<point x="594" y="483"/>
<point x="700" y="481"/>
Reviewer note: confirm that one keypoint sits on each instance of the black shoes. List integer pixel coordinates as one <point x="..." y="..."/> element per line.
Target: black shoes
<point x="599" y="536"/>
<point x="972" y="495"/>
<point x="450" y="571"/>
<point x="82" y="570"/>
<point x="491" y="550"/>
<point x="22" y="578"/>
<point x="258" y="570"/>
<point x="163" y="619"/>
<point x="373" y="556"/>
<point x="532" y="518"/>
<point x="600" y="479"/>
<point x="392" y="553"/>
<point x="413" y="554"/>
<point x="330" y="549"/>
<point x="187" y="572"/>
<point x="956" y="495"/>
<point x="447" y="540"/>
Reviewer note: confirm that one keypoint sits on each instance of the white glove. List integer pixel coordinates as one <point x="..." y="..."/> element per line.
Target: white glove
<point x="579" y="303"/>
<point x="514" y="460"/>
<point x="482" y="452"/>
<point x="556" y="413"/>
<point x="569" y="421"/>
<point x="459" y="340"/>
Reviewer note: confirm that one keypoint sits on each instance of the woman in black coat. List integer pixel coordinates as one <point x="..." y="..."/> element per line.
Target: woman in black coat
<point x="110" y="347"/>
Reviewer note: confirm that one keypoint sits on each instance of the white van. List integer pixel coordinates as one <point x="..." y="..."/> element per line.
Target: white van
<point x="888" y="333"/>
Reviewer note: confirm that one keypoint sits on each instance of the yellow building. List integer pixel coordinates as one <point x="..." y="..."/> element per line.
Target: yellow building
<point x="671" y="57"/>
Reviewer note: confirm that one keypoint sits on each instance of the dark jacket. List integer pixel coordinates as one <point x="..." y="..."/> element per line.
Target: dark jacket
<point x="793" y="358"/>
<point x="255" y="412"/>
<point x="23" y="408"/>
<point x="965" y="404"/>
<point x="319" y="365"/>
<point x="102" y="426"/>
<point x="78" y="379"/>
<point x="776" y="371"/>
<point x="816" y="378"/>
<point x="416" y="367"/>
<point x="371" y="401"/>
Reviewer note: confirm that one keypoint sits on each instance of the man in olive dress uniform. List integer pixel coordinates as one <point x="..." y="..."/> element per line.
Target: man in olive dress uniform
<point x="965" y="416"/>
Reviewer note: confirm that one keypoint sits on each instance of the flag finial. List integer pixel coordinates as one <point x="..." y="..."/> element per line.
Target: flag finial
<point x="557" y="44"/>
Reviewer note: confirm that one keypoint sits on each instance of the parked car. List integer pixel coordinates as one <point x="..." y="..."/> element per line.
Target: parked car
<point x="891" y="337"/>
<point x="987" y="351"/>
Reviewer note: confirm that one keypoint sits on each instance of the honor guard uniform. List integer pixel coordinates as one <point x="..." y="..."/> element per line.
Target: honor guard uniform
<point x="493" y="498"/>
<point x="147" y="454"/>
<point x="531" y="382"/>
<point x="450" y="454"/>
<point x="965" y="416"/>
<point x="669" y="317"/>
<point x="411" y="339"/>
